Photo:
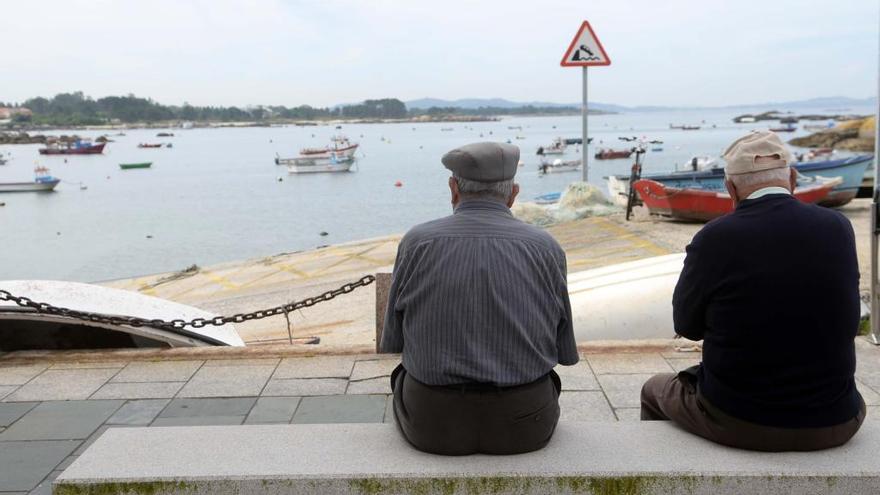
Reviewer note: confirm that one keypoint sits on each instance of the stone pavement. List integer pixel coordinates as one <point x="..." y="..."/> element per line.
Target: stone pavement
<point x="52" y="410"/>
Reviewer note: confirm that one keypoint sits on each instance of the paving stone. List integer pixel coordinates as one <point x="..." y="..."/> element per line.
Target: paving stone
<point x="373" y="368"/>
<point x="199" y="421"/>
<point x="227" y="381"/>
<point x="607" y="364"/>
<point x="628" y="414"/>
<point x="273" y="410"/>
<point x="6" y="390"/>
<point x="94" y="436"/>
<point x="19" y="375"/>
<point x="182" y="408"/>
<point x="623" y="390"/>
<point x="577" y="377"/>
<point x="88" y="365"/>
<point x="67" y="462"/>
<point x="315" y="367"/>
<point x="62" y="385"/>
<point x="871" y="397"/>
<point x="45" y="486"/>
<point x="158" y="371"/>
<point x="584" y="406"/>
<point x="341" y="409"/>
<point x="679" y="364"/>
<point x="138" y="412"/>
<point x="243" y="362"/>
<point x="306" y="386"/>
<point x="68" y="420"/>
<point x="379" y="385"/>
<point x="872" y="413"/>
<point x="11" y="411"/>
<point x="24" y="464"/>
<point x="138" y="390"/>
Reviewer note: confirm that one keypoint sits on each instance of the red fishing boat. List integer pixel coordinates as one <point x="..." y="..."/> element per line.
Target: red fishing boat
<point x="147" y="145"/>
<point x="73" y="148"/>
<point x="702" y="205"/>
<point x="612" y="154"/>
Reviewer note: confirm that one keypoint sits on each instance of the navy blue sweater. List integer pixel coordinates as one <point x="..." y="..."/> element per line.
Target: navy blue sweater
<point x="773" y="289"/>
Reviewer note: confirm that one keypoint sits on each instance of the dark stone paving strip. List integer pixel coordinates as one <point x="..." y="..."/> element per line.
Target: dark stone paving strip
<point x="179" y="408"/>
<point x="10" y="412"/>
<point x="199" y="421"/>
<point x="138" y="412"/>
<point x="24" y="464"/>
<point x="273" y="410"/>
<point x="62" y="420"/>
<point x="341" y="409"/>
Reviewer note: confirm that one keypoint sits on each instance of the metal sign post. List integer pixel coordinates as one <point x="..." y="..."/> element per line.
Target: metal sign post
<point x="585" y="141"/>
<point x="875" y="227"/>
<point x="584" y="51"/>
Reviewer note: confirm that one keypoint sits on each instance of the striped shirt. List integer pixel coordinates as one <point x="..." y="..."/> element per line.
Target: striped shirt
<point x="479" y="296"/>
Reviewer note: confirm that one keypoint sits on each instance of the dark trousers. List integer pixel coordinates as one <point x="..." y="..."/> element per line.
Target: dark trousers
<point x="675" y="397"/>
<point x="471" y="419"/>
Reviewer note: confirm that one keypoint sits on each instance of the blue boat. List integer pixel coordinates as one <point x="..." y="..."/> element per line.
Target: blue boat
<point x="548" y="199"/>
<point x="851" y="169"/>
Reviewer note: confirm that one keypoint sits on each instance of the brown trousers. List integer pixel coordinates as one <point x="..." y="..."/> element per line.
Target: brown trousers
<point x="471" y="419"/>
<point x="673" y="397"/>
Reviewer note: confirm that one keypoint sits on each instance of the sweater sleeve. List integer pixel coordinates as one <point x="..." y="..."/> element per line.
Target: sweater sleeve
<point x="691" y="296"/>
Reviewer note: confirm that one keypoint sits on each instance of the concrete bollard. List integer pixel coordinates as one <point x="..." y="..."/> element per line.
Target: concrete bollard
<point x="383" y="285"/>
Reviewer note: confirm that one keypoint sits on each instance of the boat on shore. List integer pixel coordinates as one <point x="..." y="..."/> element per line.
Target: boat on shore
<point x="851" y="169"/>
<point x="548" y="199"/>
<point x="43" y="182"/>
<point x="77" y="147"/>
<point x="700" y="205"/>
<point x="558" y="165"/>
<point x="130" y="166"/>
<point x="609" y="154"/>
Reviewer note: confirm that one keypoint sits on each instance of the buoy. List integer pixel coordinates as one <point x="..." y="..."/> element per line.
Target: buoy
<point x="57" y="233"/>
<point x="149" y="236"/>
<point x="323" y="234"/>
<point x="281" y="179"/>
<point x="398" y="184"/>
<point x="2" y="204"/>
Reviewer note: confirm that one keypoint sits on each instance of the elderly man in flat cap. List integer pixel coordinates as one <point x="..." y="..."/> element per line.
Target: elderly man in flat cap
<point x="772" y="289"/>
<point x="479" y="307"/>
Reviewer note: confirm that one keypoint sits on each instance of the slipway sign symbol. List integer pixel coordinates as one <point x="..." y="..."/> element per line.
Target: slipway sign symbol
<point x="585" y="49"/>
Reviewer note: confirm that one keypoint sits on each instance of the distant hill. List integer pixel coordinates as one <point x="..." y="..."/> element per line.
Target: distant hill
<point x="829" y="103"/>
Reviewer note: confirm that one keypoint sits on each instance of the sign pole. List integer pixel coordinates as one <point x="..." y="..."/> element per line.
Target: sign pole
<point x="584" y="140"/>
<point x="875" y="227"/>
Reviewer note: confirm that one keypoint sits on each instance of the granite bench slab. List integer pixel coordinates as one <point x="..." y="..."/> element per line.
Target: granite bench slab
<point x="590" y="458"/>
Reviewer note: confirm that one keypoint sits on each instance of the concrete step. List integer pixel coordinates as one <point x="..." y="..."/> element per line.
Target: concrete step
<point x="591" y="458"/>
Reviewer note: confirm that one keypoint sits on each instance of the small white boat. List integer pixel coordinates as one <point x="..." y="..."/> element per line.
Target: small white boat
<point x="42" y="182"/>
<point x="23" y="328"/>
<point x="625" y="301"/>
<point x="310" y="164"/>
<point x="557" y="166"/>
<point x="557" y="147"/>
<point x="341" y="147"/>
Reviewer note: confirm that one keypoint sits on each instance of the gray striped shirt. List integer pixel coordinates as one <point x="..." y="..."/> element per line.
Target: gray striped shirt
<point x="479" y="296"/>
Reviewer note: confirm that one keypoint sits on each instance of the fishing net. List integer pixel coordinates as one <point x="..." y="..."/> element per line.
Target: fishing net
<point x="580" y="200"/>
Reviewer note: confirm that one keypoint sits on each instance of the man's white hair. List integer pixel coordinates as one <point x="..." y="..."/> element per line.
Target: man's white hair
<point x="475" y="189"/>
<point x="744" y="181"/>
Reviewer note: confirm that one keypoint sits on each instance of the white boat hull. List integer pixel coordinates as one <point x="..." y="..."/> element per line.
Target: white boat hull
<point x="626" y="301"/>
<point x="319" y="167"/>
<point x="28" y="186"/>
<point x="555" y="169"/>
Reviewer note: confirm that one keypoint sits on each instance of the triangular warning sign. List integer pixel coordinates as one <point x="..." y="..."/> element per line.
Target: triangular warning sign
<point x="585" y="49"/>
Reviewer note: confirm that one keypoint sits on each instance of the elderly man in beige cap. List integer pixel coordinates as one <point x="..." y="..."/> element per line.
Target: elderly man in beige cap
<point x="772" y="289"/>
<point x="479" y="308"/>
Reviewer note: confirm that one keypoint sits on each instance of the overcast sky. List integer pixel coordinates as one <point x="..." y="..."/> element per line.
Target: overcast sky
<point x="323" y="52"/>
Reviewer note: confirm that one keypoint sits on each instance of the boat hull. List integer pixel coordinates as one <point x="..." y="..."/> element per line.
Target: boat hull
<point x="46" y="186"/>
<point x="85" y="150"/>
<point x="700" y="205"/>
<point x="130" y="166"/>
<point x="328" y="152"/>
<point x="319" y="167"/>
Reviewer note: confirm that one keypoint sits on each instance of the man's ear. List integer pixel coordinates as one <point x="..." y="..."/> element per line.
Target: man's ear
<point x="513" y="194"/>
<point x="731" y="189"/>
<point x="453" y="190"/>
<point x="794" y="177"/>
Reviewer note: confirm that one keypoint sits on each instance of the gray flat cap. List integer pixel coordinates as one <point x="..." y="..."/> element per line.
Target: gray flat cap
<point x="483" y="162"/>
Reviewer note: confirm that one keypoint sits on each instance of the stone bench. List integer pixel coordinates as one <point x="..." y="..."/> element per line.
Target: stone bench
<point x="594" y="458"/>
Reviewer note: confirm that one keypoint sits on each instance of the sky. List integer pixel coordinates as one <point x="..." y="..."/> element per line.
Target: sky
<point x="326" y="52"/>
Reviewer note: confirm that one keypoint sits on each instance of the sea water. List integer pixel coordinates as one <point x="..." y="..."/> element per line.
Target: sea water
<point x="218" y="196"/>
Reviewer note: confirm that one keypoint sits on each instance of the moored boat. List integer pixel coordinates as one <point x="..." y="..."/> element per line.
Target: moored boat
<point x="316" y="164"/>
<point x="149" y="145"/>
<point x="785" y="128"/>
<point x="703" y="205"/>
<point x="42" y="182"/>
<point x="129" y="166"/>
<point x="78" y="147"/>
<point x="608" y="154"/>
<point x="557" y="147"/>
<point x="558" y="165"/>
<point x="340" y="146"/>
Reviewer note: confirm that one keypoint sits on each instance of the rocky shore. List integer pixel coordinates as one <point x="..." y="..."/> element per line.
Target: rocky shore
<point x="852" y="135"/>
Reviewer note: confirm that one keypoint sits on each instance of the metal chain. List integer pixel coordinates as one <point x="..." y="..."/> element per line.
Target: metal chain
<point x="134" y="321"/>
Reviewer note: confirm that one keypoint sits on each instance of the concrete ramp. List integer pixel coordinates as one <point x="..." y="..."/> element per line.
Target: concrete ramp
<point x="589" y="458"/>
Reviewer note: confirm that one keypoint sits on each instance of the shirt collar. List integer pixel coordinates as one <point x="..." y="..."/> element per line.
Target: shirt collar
<point x="764" y="191"/>
<point x="481" y="204"/>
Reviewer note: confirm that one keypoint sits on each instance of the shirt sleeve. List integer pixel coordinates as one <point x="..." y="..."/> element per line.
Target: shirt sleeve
<point x="392" y="331"/>
<point x="691" y="296"/>
<point x="566" y="346"/>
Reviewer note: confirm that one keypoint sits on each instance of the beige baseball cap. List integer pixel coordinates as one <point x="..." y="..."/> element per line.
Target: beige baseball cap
<point x="756" y="151"/>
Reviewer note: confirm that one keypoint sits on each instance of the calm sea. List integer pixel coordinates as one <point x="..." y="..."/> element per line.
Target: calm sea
<point x="216" y="195"/>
